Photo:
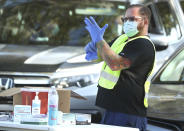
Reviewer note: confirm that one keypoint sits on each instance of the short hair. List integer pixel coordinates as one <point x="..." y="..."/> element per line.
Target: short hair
<point x="144" y="10"/>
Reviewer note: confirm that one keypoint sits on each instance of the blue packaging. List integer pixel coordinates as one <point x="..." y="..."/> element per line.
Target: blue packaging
<point x="52" y="106"/>
<point x="52" y="115"/>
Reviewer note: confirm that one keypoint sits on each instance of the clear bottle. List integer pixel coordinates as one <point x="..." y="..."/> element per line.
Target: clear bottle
<point x="52" y="106"/>
<point x="36" y="105"/>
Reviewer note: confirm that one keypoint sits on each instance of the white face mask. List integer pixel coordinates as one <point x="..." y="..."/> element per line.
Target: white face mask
<point x="130" y="28"/>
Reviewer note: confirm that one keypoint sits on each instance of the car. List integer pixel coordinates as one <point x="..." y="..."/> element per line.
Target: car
<point x="166" y="93"/>
<point x="42" y="43"/>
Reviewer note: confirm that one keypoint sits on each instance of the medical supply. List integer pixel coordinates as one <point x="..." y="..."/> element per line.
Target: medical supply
<point x="36" y="105"/>
<point x="68" y="119"/>
<point x="83" y="119"/>
<point x="60" y="118"/>
<point x="52" y="106"/>
<point x="21" y="111"/>
<point x="40" y="119"/>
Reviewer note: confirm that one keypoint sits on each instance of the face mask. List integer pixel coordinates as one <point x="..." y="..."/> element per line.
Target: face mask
<point x="130" y="28"/>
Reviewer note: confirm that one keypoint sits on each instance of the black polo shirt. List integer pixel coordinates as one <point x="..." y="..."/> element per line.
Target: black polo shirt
<point x="128" y="93"/>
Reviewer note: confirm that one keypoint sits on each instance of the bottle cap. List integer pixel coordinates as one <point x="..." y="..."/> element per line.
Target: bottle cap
<point x="36" y="97"/>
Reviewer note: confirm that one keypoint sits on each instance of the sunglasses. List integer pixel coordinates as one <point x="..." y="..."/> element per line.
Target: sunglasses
<point x="132" y="18"/>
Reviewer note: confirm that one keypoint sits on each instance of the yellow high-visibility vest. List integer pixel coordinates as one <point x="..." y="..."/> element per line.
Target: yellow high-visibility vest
<point x="109" y="78"/>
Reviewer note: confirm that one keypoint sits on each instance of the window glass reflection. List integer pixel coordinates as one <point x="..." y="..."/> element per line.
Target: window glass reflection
<point x="175" y="69"/>
<point x="56" y="22"/>
<point x="169" y="21"/>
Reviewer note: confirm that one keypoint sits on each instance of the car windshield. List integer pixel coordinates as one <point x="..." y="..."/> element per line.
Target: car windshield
<point x="57" y="22"/>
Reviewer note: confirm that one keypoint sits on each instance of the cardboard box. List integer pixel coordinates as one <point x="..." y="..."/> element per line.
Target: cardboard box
<point x="64" y="97"/>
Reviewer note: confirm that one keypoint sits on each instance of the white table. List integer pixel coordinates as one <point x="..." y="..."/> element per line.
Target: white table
<point x="11" y="126"/>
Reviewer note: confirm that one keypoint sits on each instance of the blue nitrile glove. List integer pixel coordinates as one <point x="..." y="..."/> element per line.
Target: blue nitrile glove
<point x="90" y="47"/>
<point x="91" y="52"/>
<point x="94" y="30"/>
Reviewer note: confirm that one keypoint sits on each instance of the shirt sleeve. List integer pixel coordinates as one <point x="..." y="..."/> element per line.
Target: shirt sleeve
<point x="138" y="51"/>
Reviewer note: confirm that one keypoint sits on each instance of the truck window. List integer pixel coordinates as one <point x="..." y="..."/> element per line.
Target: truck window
<point x="56" y="22"/>
<point x="174" y="72"/>
<point x="154" y="26"/>
<point x="169" y="21"/>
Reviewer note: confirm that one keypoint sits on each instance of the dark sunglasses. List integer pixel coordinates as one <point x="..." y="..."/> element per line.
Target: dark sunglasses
<point x="132" y="18"/>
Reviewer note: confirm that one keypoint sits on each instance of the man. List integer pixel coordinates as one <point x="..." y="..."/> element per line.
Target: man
<point x="128" y="61"/>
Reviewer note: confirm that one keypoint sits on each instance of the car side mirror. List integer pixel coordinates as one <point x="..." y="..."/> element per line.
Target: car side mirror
<point x="160" y="41"/>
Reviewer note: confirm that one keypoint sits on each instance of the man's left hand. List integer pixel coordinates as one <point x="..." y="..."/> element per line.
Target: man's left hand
<point x="95" y="31"/>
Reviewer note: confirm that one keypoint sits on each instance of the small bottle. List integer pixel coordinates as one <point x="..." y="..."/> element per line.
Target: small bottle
<point x="52" y="106"/>
<point x="36" y="105"/>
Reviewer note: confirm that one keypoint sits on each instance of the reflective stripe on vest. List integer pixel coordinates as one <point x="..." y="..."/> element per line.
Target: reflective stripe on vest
<point x="109" y="78"/>
<point x="148" y="83"/>
<point x="146" y="88"/>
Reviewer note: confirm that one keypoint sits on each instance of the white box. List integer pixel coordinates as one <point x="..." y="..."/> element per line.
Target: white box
<point x="21" y="111"/>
